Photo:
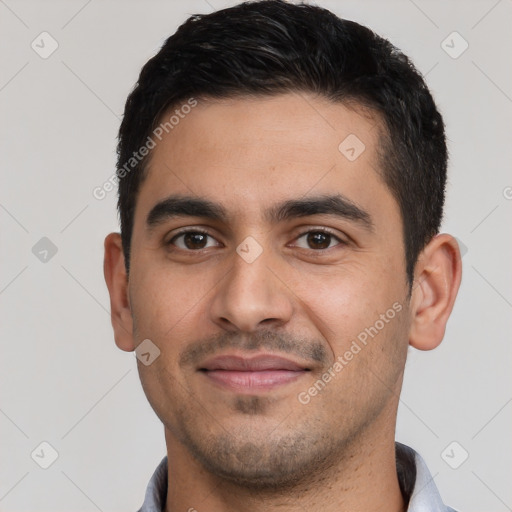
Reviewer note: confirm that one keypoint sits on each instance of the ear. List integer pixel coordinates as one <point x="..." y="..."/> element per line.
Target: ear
<point x="117" y="282"/>
<point x="436" y="283"/>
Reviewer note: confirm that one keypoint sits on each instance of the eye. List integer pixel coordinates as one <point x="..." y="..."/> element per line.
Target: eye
<point x="318" y="239"/>
<point x="192" y="240"/>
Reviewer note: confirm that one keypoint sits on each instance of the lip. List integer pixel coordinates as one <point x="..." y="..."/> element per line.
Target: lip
<point x="259" y="363"/>
<point x="251" y="374"/>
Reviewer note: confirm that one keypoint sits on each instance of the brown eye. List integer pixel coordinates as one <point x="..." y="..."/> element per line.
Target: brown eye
<point x="318" y="240"/>
<point x="192" y="240"/>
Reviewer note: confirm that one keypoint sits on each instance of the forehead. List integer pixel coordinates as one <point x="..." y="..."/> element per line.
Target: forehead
<point x="249" y="153"/>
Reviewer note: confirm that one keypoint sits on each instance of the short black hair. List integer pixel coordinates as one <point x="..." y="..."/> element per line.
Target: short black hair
<point x="268" y="47"/>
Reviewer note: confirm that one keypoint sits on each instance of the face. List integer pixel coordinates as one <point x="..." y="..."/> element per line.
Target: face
<point x="267" y="266"/>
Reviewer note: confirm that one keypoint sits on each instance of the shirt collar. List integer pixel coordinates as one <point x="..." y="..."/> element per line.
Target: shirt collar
<point x="417" y="483"/>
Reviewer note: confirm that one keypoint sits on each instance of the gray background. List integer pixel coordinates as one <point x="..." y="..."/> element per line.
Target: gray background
<point x="64" y="381"/>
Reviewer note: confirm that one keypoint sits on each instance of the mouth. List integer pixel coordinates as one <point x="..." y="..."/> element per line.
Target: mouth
<point x="249" y="375"/>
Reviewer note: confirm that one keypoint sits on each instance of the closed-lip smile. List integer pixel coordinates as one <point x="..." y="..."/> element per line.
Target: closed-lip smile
<point x="246" y="374"/>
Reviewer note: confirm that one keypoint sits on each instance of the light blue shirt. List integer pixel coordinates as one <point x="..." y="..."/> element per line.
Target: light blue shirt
<point x="414" y="477"/>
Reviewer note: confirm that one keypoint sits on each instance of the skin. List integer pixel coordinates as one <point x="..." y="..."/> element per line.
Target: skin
<point x="304" y="299"/>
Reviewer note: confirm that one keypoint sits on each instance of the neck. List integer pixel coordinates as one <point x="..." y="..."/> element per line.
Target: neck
<point x="363" y="478"/>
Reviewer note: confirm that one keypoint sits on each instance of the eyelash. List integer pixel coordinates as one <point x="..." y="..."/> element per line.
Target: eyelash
<point x="203" y="232"/>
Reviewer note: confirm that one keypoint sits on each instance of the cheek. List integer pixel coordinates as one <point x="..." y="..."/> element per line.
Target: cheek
<point x="365" y="324"/>
<point x="165" y="306"/>
<point x="343" y="304"/>
<point x="165" y="302"/>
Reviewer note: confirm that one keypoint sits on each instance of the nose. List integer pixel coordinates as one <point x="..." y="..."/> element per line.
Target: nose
<point x="252" y="296"/>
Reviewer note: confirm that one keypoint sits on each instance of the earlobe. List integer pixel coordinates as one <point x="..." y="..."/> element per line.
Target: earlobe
<point x="437" y="280"/>
<point x="115" y="276"/>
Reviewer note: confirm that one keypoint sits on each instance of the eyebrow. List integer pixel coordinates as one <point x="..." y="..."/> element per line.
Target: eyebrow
<point x="187" y="206"/>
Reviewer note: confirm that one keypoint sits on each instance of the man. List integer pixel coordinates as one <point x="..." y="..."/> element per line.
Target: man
<point x="281" y="186"/>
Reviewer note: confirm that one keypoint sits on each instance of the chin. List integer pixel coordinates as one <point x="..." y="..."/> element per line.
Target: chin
<point x="266" y="465"/>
